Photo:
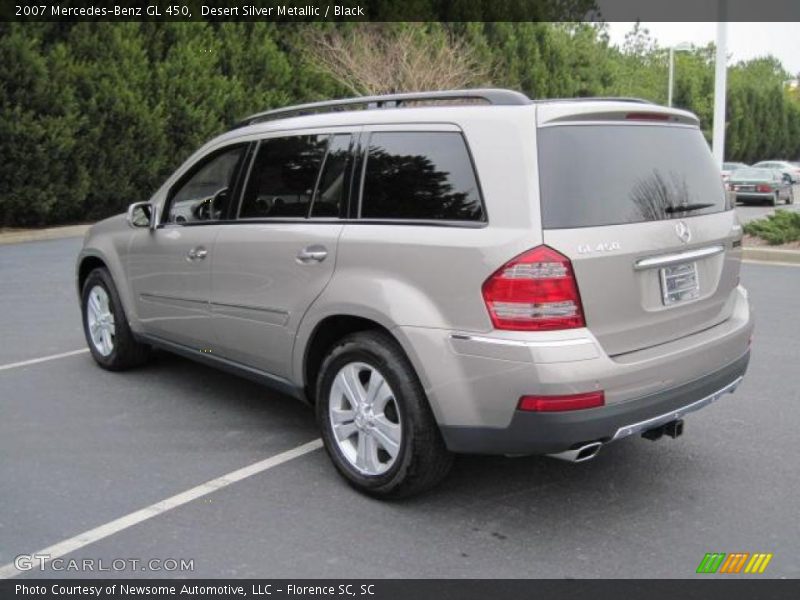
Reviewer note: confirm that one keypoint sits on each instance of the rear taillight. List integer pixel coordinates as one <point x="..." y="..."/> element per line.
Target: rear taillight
<point x="536" y="291"/>
<point x="561" y="403"/>
<point x="763" y="187"/>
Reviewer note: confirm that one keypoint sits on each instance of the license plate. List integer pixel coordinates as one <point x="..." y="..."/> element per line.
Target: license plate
<point x="679" y="283"/>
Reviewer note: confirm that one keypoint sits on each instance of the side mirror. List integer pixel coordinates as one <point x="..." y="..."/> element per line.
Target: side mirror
<point x="787" y="178"/>
<point x="140" y="214"/>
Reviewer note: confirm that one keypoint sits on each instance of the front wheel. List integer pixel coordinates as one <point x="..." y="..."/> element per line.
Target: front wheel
<point x="108" y="335"/>
<point x="375" y="419"/>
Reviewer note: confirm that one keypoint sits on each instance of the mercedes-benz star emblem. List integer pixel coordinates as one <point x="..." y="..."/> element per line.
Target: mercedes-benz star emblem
<point x="683" y="232"/>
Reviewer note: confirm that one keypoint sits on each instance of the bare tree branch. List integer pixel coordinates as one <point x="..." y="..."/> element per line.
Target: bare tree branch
<point x="383" y="59"/>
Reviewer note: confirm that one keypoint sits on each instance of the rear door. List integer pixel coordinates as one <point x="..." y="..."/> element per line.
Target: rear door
<point x="639" y="207"/>
<point x="277" y="258"/>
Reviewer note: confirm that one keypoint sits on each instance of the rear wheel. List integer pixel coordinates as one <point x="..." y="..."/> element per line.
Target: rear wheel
<point x="375" y="420"/>
<point x="774" y="201"/>
<point x="105" y="326"/>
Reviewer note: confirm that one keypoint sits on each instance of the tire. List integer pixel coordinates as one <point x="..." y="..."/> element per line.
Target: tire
<point x="421" y="459"/>
<point x="123" y="352"/>
<point x="774" y="201"/>
<point x="790" y="197"/>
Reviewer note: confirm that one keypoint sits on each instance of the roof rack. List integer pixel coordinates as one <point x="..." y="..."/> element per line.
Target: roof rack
<point x="497" y="97"/>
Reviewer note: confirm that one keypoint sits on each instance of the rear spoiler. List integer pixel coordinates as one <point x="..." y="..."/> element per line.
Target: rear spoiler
<point x="605" y="111"/>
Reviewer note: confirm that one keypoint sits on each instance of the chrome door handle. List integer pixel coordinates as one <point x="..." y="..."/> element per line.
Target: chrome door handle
<point x="309" y="254"/>
<point x="198" y="253"/>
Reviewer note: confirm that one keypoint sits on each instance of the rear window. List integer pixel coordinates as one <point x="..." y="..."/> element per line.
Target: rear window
<point x="592" y="175"/>
<point x="755" y="174"/>
<point x="424" y="176"/>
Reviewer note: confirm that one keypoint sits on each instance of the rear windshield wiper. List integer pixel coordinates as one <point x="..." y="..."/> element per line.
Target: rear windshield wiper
<point x="686" y="207"/>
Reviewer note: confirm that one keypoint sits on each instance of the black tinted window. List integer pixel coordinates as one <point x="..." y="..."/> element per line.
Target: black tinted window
<point x="331" y="194"/>
<point x="204" y="194"/>
<point x="420" y="175"/>
<point x="594" y="175"/>
<point x="282" y="177"/>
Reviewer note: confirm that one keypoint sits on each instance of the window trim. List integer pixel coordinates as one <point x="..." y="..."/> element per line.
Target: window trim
<point x="192" y="170"/>
<point x="344" y="209"/>
<point x="364" y="157"/>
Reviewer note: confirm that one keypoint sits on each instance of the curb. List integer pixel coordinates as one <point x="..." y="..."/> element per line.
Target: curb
<point x="772" y="255"/>
<point x="35" y="235"/>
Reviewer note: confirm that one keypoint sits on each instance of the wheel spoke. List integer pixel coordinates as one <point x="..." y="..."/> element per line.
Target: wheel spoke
<point x="344" y="430"/>
<point x="348" y="380"/>
<point x="373" y="462"/>
<point x="376" y="382"/>
<point x="387" y="435"/>
<point x="361" y="451"/>
<point x="107" y="343"/>
<point x="383" y="395"/>
<point x="94" y="304"/>
<point x="339" y="415"/>
<point x="102" y="299"/>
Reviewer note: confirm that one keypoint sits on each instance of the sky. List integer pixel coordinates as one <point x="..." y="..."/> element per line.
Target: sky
<point x="745" y="40"/>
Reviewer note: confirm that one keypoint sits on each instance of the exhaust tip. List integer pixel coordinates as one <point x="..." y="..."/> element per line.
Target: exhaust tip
<point x="588" y="452"/>
<point x="579" y="454"/>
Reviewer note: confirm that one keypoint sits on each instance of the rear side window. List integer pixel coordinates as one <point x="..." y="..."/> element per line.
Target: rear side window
<point x="592" y="175"/>
<point x="420" y="176"/>
<point x="283" y="177"/>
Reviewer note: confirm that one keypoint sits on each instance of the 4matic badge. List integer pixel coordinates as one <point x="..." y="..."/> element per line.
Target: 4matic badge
<point x="601" y="247"/>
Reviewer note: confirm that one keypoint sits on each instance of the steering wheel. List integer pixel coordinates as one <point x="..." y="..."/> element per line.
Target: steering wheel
<point x="204" y="210"/>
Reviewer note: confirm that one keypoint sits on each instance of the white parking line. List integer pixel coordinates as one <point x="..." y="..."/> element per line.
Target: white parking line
<point x="770" y="263"/>
<point x="103" y="531"/>
<point x="34" y="361"/>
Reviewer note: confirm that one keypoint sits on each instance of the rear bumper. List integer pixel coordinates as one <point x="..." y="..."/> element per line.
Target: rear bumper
<point x="474" y="381"/>
<point x="754" y="195"/>
<point x="544" y="433"/>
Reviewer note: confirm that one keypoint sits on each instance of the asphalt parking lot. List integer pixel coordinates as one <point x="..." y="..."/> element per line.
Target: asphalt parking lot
<point x="82" y="447"/>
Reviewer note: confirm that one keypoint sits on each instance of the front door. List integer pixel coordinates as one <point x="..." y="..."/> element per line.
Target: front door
<point x="170" y="267"/>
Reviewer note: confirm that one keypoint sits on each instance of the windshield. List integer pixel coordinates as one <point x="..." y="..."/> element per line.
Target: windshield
<point x="593" y="175"/>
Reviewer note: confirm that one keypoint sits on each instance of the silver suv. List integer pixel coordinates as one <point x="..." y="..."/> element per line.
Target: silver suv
<point x="439" y="273"/>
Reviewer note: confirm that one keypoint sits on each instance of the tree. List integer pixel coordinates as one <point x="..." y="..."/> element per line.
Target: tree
<point x="389" y="58"/>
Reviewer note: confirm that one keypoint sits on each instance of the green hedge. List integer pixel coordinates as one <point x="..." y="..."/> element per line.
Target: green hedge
<point x="93" y="116"/>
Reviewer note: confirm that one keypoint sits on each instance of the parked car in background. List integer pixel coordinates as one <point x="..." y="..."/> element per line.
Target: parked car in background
<point x="730" y="167"/>
<point x="434" y="279"/>
<point x="763" y="185"/>
<point x="793" y="169"/>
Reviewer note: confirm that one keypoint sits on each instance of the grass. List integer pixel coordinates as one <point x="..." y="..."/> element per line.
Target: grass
<point x="782" y="227"/>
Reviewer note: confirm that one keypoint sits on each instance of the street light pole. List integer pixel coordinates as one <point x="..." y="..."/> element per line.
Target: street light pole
<point x="682" y="47"/>
<point x="720" y="82"/>
<point x="671" y="74"/>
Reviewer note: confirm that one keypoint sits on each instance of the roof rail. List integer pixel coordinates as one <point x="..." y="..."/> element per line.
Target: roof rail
<point x="497" y="97"/>
<point x="595" y="99"/>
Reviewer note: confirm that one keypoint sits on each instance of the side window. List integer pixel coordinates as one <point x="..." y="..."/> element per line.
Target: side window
<point x="421" y="176"/>
<point x="204" y="194"/>
<point x="283" y="177"/>
<point x="330" y="197"/>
